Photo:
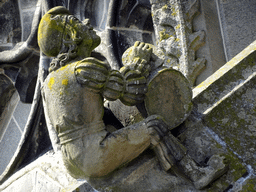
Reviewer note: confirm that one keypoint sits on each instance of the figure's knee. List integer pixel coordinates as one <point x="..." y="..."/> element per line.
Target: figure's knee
<point x="89" y="168"/>
<point x="83" y="162"/>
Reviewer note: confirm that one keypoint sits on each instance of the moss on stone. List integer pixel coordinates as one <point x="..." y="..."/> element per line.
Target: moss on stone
<point x="235" y="167"/>
<point x="250" y="186"/>
<point x="218" y="145"/>
<point x="219" y="185"/>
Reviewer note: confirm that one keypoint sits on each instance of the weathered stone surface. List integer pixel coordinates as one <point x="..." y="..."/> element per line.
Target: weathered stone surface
<point x="176" y="37"/>
<point x="47" y="173"/>
<point x="226" y="79"/>
<point x="237" y="23"/>
<point x="213" y="50"/>
<point x="234" y="120"/>
<point x="10" y="24"/>
<point x="249" y="186"/>
<point x="169" y="95"/>
<point x="143" y="174"/>
<point x="227" y="113"/>
<point x="202" y="145"/>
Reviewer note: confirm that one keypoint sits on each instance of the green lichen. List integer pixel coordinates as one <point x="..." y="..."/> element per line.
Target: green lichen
<point x="236" y="171"/>
<point x="235" y="166"/>
<point x="218" y="146"/>
<point x="249" y="186"/>
<point x="219" y="185"/>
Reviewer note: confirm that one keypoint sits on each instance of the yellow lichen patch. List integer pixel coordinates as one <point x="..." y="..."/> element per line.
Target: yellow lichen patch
<point x="174" y="12"/>
<point x="65" y="82"/>
<point x="51" y="82"/>
<point x="163" y="35"/>
<point x="178" y="26"/>
<point x="64" y="67"/>
<point x="165" y="7"/>
<point x="168" y="60"/>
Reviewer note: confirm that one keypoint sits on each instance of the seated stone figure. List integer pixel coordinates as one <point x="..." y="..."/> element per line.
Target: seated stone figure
<point x="73" y="96"/>
<point x="73" y="93"/>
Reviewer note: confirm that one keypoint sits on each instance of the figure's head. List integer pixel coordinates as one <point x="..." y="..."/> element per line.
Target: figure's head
<point x="59" y="31"/>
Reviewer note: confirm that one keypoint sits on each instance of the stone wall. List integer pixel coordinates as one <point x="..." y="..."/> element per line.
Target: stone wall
<point x="237" y="20"/>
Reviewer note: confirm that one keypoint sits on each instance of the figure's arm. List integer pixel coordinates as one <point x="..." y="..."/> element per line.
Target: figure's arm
<point x="135" y="71"/>
<point x="98" y="76"/>
<point x="129" y="86"/>
<point x="138" y="58"/>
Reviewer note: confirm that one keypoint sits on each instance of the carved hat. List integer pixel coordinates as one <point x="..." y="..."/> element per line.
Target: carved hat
<point x="51" y="30"/>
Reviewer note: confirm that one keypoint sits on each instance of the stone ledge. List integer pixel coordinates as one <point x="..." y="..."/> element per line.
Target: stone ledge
<point x="47" y="173"/>
<point x="222" y="82"/>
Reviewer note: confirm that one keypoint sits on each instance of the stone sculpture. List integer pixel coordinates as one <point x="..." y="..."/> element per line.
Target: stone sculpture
<point x="73" y="96"/>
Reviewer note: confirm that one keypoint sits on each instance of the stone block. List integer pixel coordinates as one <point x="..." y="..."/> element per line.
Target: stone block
<point x="238" y="24"/>
<point x="45" y="174"/>
<point x="227" y="78"/>
<point x="21" y="184"/>
<point x="225" y="109"/>
<point x="233" y="119"/>
<point x="227" y="100"/>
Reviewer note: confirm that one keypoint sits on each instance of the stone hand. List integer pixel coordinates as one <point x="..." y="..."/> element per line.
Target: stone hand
<point x="158" y="129"/>
<point x="135" y="86"/>
<point x="139" y="58"/>
<point x="157" y="123"/>
<point x="141" y="50"/>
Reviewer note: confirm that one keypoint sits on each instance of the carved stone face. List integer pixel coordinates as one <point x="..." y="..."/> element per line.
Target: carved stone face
<point x="82" y="33"/>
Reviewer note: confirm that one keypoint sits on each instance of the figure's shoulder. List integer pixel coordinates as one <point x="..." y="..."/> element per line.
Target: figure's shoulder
<point x="96" y="58"/>
<point x="91" y="64"/>
<point x="92" y="72"/>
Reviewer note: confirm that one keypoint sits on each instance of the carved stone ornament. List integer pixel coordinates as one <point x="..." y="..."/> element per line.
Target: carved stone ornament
<point x="73" y="95"/>
<point x="113" y="103"/>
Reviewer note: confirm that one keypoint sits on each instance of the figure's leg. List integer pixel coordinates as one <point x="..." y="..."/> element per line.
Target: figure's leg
<point x="170" y="150"/>
<point x="124" y="145"/>
<point x="203" y="176"/>
<point x="98" y="154"/>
